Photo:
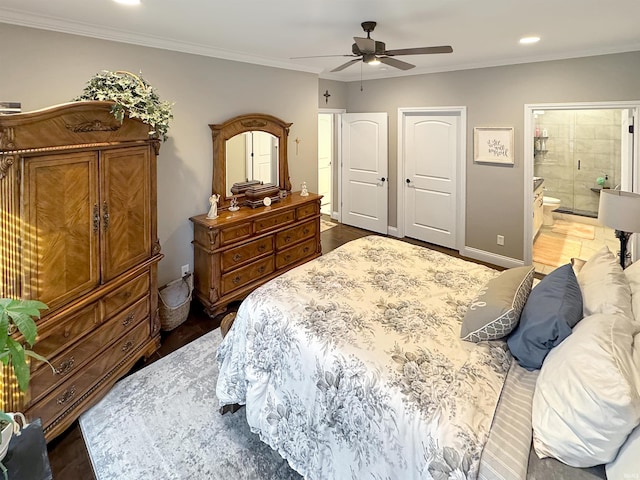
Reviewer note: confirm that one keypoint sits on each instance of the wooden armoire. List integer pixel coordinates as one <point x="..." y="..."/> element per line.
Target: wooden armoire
<point x="78" y="232"/>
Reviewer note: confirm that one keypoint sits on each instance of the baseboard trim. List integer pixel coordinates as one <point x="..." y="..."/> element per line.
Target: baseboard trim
<point x="335" y="216"/>
<point x="393" y="231"/>
<point x="492" y="258"/>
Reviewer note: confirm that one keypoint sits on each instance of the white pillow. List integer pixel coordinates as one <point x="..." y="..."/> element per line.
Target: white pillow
<point x="627" y="463"/>
<point x="604" y="286"/>
<point x="586" y="400"/>
<point x="632" y="272"/>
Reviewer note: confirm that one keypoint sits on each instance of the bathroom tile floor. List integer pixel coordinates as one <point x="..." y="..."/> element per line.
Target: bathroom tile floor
<point x="572" y="241"/>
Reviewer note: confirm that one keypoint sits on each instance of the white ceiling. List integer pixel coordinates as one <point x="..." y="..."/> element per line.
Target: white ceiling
<point x="269" y="32"/>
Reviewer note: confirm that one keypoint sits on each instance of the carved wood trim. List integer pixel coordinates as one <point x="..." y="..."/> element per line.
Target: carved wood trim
<point x="93" y="126"/>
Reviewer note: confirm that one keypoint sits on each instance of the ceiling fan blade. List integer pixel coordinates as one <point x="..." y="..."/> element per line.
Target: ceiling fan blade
<point x="396" y="63"/>
<point x="366" y="45"/>
<point x="345" y="65"/>
<point x="420" y="50"/>
<point x="323" y="56"/>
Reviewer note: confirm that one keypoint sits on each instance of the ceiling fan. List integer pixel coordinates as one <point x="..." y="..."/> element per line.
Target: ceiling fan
<point x="374" y="52"/>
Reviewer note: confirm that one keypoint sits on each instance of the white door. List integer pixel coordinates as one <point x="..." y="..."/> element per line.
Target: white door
<point x="430" y="163"/>
<point x="263" y="151"/>
<point x="365" y="171"/>
<point x="325" y="160"/>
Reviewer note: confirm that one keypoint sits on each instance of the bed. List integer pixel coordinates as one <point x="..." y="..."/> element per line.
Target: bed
<point x="352" y="366"/>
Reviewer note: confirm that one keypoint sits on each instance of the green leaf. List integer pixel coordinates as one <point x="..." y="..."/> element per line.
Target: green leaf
<point x="26" y="326"/>
<point x="19" y="363"/>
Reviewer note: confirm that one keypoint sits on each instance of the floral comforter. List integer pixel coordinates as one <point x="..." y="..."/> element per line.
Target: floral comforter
<point x="352" y="367"/>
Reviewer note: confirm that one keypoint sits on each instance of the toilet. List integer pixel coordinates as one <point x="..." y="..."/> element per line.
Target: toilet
<point x="549" y="204"/>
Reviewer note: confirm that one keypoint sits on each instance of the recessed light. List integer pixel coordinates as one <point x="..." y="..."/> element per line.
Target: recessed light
<point x="128" y="2"/>
<point x="528" y="40"/>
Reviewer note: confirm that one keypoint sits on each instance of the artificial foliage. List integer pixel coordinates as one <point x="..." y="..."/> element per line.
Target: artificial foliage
<point x="19" y="315"/>
<point x="132" y="95"/>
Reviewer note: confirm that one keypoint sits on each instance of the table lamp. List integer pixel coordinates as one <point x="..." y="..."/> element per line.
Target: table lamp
<point x="620" y="211"/>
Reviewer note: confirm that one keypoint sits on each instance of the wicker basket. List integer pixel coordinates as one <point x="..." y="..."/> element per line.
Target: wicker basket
<point x="175" y="301"/>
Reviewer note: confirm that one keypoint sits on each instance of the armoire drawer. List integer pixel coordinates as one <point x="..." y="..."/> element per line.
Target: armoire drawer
<point x="125" y="295"/>
<point x="244" y="253"/>
<point x="296" y="253"/>
<point x="54" y="340"/>
<point x="244" y="275"/>
<point x="294" y="234"/>
<point x="68" y="362"/>
<point x="73" y="389"/>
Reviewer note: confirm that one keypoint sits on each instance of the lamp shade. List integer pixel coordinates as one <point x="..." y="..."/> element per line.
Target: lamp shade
<point x="619" y="210"/>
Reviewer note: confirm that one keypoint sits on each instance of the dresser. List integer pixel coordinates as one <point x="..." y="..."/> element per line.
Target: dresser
<point x="78" y="213"/>
<point x="239" y="251"/>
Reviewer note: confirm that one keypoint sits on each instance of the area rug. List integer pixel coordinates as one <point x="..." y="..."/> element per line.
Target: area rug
<point x="326" y="224"/>
<point x="574" y="229"/>
<point x="163" y="422"/>
<point x="555" y="251"/>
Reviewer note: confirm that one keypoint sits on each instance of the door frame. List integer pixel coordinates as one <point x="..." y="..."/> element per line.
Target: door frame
<point x="529" y="109"/>
<point x="461" y="167"/>
<point x="337" y="160"/>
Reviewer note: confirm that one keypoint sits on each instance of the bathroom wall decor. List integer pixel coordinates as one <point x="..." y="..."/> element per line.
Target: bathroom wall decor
<point x="493" y="145"/>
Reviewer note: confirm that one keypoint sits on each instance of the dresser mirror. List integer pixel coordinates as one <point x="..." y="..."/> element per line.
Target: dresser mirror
<point x="249" y="147"/>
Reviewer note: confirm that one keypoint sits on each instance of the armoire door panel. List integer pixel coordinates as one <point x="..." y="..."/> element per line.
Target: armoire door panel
<point x="125" y="209"/>
<point x="60" y="231"/>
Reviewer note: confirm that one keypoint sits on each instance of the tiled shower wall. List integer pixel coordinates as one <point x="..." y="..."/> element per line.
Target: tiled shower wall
<point x="591" y="136"/>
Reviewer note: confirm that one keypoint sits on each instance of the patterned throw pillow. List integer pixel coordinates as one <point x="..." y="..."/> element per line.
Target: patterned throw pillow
<point x="495" y="312"/>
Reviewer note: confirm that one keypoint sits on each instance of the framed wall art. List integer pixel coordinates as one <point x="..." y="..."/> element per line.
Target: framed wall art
<point x="493" y="145"/>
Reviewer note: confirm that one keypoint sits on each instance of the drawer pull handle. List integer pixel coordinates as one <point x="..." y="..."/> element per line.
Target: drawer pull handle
<point x="262" y="269"/>
<point x="237" y="257"/>
<point x="128" y="319"/>
<point x="105" y="216"/>
<point x="287" y="238"/>
<point x="127" y="346"/>
<point x="305" y="231"/>
<point x="306" y="249"/>
<point x="65" y="367"/>
<point x="67" y="395"/>
<point x="67" y="332"/>
<point x="262" y="248"/>
<point x="287" y="258"/>
<point x="236" y="280"/>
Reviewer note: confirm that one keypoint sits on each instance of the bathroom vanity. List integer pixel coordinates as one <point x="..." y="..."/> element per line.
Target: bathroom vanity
<point x="538" y="211"/>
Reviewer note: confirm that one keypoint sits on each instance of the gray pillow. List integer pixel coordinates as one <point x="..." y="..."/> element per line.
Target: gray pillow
<point x="495" y="312"/>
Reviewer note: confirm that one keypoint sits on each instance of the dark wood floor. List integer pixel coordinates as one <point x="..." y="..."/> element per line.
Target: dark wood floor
<point x="67" y="453"/>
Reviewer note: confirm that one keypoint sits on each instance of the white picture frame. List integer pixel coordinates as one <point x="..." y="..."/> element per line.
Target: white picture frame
<point x="493" y="145"/>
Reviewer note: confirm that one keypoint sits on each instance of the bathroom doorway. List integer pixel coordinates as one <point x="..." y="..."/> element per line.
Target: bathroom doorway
<point x="575" y="150"/>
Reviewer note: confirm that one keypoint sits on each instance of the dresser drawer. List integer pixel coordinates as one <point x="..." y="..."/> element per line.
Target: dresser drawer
<point x="125" y="295"/>
<point x="244" y="275"/>
<point x="296" y="253"/>
<point x="294" y="234"/>
<point x="274" y="221"/>
<point x="233" y="234"/>
<point x="68" y="362"/>
<point x="240" y="255"/>
<point x="55" y="339"/>
<point x="74" y="388"/>
<point x="307" y="210"/>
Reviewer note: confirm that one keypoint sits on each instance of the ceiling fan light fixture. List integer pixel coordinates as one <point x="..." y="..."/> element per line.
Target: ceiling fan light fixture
<point x="529" y="40"/>
<point x="371" y="59"/>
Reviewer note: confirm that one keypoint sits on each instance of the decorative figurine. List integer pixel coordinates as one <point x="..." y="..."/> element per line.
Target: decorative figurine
<point x="234" y="204"/>
<point x="303" y="190"/>
<point x="213" y="211"/>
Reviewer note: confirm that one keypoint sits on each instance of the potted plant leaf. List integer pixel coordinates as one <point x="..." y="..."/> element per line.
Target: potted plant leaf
<point x="17" y="316"/>
<point x="133" y="95"/>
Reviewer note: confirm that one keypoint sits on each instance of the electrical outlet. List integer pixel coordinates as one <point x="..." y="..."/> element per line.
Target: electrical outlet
<point x="500" y="239"/>
<point x="184" y="270"/>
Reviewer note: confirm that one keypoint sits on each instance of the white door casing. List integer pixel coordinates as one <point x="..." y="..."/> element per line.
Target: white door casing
<point x="325" y="160"/>
<point x="431" y="157"/>
<point x="365" y="171"/>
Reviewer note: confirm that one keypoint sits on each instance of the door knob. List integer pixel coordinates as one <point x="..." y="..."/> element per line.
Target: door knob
<point x="409" y="183"/>
<point x="381" y="180"/>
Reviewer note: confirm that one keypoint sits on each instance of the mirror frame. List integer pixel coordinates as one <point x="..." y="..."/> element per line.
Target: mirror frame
<point x="221" y="132"/>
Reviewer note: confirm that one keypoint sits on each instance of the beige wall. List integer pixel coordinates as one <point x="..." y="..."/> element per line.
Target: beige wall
<point x="496" y="97"/>
<point x="41" y="68"/>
